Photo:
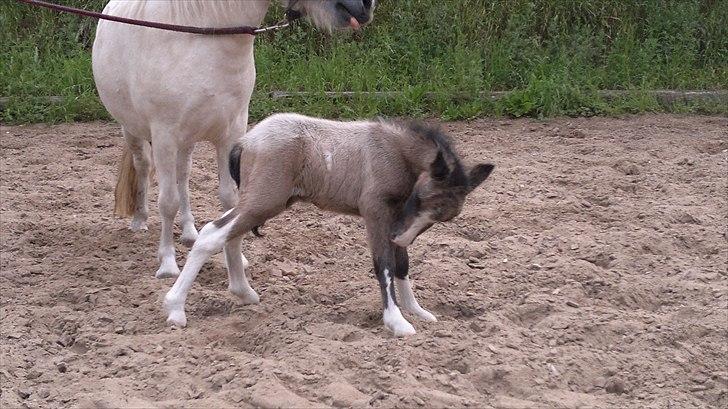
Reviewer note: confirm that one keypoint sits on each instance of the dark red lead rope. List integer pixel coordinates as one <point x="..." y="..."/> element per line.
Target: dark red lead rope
<point x="162" y="26"/>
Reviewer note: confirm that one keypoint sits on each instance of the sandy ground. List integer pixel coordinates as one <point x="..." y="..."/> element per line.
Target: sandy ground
<point x="590" y="271"/>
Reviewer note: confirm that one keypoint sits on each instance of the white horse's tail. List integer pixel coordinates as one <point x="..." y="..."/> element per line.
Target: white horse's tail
<point x="125" y="194"/>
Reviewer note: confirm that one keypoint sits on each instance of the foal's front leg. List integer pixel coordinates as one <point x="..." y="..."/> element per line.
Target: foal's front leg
<point x="385" y="264"/>
<point x="404" y="287"/>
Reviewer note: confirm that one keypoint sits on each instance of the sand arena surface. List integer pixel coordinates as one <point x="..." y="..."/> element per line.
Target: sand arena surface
<point x="589" y="271"/>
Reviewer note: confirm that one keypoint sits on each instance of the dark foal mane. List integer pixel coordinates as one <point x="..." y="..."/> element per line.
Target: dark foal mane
<point x="434" y="135"/>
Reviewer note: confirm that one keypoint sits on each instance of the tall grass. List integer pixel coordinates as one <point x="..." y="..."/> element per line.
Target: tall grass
<point x="552" y="54"/>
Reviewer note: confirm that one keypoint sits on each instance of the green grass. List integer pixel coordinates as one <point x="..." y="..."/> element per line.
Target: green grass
<point x="552" y="54"/>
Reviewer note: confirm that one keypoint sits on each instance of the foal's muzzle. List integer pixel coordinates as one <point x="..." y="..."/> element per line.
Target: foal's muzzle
<point x="408" y="236"/>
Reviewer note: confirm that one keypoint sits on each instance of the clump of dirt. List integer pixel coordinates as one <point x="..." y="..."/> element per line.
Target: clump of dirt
<point x="590" y="271"/>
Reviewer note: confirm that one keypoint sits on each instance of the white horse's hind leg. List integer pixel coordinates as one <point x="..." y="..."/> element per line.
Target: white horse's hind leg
<point x="236" y="264"/>
<point x="141" y="155"/>
<point x="165" y="154"/>
<point x="209" y="242"/>
<point x="245" y="261"/>
<point x="184" y="162"/>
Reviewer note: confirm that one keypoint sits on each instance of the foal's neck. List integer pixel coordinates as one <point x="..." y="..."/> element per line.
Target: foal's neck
<point x="417" y="153"/>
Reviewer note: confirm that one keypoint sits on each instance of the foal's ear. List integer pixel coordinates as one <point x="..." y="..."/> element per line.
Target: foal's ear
<point x="478" y="174"/>
<point x="438" y="168"/>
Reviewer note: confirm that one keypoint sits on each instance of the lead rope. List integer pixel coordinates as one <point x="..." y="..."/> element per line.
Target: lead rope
<point x="291" y="15"/>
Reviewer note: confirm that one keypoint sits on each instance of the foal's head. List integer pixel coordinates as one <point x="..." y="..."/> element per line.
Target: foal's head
<point x="439" y="192"/>
<point x="334" y="14"/>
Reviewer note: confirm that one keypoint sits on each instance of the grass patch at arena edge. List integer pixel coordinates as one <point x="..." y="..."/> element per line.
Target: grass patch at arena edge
<point x="435" y="59"/>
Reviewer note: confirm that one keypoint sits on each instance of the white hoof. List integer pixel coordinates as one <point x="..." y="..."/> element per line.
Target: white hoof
<point x="424" y="315"/>
<point x="395" y="322"/>
<point x="402" y="330"/>
<point x="177" y="318"/>
<point x="175" y="312"/>
<point x="167" y="270"/>
<point x="138" y="225"/>
<point x="246" y="296"/>
<point x="189" y="236"/>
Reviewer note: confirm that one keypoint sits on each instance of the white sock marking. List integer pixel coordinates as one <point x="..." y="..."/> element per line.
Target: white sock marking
<point x="392" y="317"/>
<point x="409" y="302"/>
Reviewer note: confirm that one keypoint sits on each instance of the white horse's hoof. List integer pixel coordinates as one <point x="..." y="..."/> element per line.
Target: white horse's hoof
<point x="246" y="296"/>
<point x="167" y="271"/>
<point x="188" y="241"/>
<point x="189" y="237"/>
<point x="138" y="225"/>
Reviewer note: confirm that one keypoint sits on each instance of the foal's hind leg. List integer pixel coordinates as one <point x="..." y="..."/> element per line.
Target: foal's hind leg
<point x="236" y="264"/>
<point x="274" y="189"/>
<point x="210" y="241"/>
<point x="141" y="156"/>
<point x="226" y="189"/>
<point x="184" y="162"/>
<point x="225" y="231"/>
<point x="165" y="160"/>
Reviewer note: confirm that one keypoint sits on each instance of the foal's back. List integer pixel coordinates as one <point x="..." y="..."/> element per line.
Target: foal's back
<point x="332" y="163"/>
<point x="282" y="129"/>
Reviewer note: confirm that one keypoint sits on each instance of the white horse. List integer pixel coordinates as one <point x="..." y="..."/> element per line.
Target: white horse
<point x="169" y="90"/>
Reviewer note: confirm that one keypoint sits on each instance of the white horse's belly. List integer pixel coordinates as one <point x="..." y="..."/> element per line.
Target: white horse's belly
<point x="196" y="88"/>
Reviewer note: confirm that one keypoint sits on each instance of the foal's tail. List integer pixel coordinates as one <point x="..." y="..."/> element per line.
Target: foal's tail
<point x="234" y="166"/>
<point x="234" y="162"/>
<point x="125" y="194"/>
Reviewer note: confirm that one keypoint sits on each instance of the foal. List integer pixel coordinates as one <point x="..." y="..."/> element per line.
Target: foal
<point x="400" y="179"/>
